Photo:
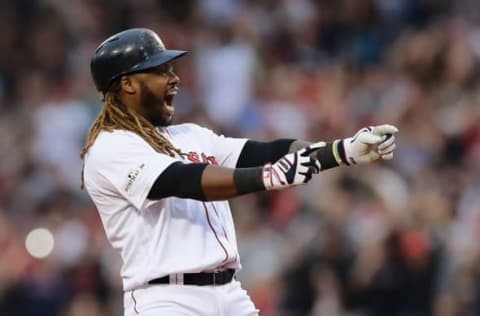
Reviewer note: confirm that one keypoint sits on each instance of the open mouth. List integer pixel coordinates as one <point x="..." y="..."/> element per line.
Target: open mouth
<point x="169" y="99"/>
<point x="170" y="96"/>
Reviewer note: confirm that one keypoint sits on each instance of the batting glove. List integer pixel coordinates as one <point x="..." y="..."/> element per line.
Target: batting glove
<point x="370" y="144"/>
<point x="292" y="169"/>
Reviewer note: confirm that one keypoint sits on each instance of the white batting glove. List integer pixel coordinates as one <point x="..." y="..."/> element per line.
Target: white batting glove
<point x="370" y="144"/>
<point x="292" y="169"/>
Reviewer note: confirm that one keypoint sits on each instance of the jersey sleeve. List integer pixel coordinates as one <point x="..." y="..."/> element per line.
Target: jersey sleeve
<point x="226" y="149"/>
<point x="124" y="164"/>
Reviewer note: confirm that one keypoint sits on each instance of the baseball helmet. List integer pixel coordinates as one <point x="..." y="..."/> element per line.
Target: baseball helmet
<point x="130" y="51"/>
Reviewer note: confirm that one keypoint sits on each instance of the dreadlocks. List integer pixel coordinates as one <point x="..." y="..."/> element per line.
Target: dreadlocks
<point x="115" y="115"/>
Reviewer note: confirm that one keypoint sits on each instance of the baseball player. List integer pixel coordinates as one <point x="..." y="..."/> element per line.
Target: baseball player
<point x="161" y="189"/>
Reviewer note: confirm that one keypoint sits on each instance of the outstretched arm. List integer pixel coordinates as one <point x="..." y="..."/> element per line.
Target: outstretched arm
<point x="361" y="147"/>
<point x="211" y="182"/>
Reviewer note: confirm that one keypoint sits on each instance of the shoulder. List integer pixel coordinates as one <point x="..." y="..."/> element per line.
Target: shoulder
<point x="189" y="128"/>
<point x="113" y="143"/>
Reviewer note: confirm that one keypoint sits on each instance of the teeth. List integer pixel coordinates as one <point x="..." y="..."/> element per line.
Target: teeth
<point x="172" y="91"/>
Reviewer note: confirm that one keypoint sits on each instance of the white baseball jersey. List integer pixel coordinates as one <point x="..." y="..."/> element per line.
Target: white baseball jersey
<point x="161" y="237"/>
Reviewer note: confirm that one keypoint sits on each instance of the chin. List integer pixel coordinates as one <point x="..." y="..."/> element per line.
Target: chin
<point x="164" y="124"/>
<point x="162" y="121"/>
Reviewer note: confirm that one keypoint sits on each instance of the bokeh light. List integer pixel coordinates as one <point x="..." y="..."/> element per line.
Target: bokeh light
<point x="39" y="243"/>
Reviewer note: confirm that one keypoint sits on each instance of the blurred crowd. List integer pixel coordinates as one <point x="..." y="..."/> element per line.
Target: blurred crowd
<point x="391" y="239"/>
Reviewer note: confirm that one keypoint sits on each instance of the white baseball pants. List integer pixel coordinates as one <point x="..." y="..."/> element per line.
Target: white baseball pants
<point x="189" y="300"/>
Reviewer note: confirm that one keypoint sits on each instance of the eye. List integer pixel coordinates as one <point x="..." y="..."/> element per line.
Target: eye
<point x="168" y="68"/>
<point x="160" y="70"/>
<point x="163" y="70"/>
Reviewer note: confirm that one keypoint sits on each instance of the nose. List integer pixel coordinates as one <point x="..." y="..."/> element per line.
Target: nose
<point x="174" y="78"/>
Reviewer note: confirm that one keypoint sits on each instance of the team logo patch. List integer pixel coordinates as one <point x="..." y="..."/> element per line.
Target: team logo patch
<point x="132" y="176"/>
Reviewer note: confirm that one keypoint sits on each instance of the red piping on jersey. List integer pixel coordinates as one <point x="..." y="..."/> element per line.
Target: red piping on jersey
<point x="134" y="304"/>
<point x="223" y="228"/>
<point x="215" y="233"/>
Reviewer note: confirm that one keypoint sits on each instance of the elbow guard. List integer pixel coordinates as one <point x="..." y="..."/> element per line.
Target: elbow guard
<point x="180" y="180"/>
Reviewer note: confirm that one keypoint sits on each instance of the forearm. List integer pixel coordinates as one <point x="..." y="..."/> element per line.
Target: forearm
<point x="256" y="153"/>
<point x="219" y="183"/>
<point x="259" y="153"/>
<point x="206" y="182"/>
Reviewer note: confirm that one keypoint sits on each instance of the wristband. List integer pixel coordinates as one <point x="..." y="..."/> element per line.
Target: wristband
<point x="329" y="155"/>
<point x="248" y="180"/>
<point x="341" y="151"/>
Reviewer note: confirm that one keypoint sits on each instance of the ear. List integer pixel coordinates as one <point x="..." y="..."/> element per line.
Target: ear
<point x="128" y="85"/>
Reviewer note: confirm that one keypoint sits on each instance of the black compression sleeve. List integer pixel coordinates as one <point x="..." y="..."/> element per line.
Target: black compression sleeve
<point x="180" y="180"/>
<point x="256" y="154"/>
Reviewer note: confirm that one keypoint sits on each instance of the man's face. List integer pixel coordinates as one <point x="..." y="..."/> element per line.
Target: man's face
<point x="158" y="87"/>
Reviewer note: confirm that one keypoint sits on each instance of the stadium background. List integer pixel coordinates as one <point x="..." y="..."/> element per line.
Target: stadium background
<point x="393" y="239"/>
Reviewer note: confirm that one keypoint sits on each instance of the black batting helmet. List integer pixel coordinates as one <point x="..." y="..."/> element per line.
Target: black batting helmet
<point x="127" y="52"/>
